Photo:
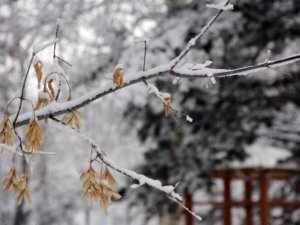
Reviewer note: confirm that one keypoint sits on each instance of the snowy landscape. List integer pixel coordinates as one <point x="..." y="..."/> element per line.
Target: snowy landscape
<point x="154" y="112"/>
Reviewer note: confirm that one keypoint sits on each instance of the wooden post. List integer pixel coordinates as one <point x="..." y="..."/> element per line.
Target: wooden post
<point x="264" y="205"/>
<point x="227" y="201"/>
<point x="189" y="204"/>
<point x="248" y="201"/>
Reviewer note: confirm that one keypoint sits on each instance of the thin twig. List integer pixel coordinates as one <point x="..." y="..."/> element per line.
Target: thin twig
<point x="144" y="63"/>
<point x="23" y="89"/>
<point x="64" y="61"/>
<point x="56" y="36"/>
<point x="235" y="72"/>
<point x="196" y="39"/>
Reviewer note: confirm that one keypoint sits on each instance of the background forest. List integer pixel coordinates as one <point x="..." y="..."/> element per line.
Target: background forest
<point x="239" y="121"/>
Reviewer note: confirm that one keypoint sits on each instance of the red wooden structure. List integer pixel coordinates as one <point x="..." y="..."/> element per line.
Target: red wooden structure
<point x="248" y="175"/>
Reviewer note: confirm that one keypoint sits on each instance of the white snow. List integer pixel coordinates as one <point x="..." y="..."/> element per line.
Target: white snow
<point x="189" y="119"/>
<point x="220" y="6"/>
<point x="160" y="95"/>
<point x="43" y="95"/>
<point x="261" y="155"/>
<point x="38" y="48"/>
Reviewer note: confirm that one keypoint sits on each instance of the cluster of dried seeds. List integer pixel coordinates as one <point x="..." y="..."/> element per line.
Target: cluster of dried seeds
<point x="98" y="186"/>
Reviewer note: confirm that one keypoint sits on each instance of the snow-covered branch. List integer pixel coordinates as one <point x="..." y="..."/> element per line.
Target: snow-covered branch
<point x="196" y="39"/>
<point x="140" y="178"/>
<point x="183" y="72"/>
<point x="55" y="109"/>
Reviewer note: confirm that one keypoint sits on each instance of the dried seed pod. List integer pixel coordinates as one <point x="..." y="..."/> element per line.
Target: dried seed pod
<point x="118" y="76"/>
<point x="11" y="181"/>
<point x="107" y="175"/>
<point x="96" y="186"/>
<point x="38" y="72"/>
<point x="51" y="88"/>
<point x="167" y="104"/>
<point x="23" y="190"/>
<point x="6" y="131"/>
<point x="72" y="119"/>
<point x="33" y="136"/>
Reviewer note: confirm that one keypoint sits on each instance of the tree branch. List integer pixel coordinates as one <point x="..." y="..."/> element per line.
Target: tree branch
<point x="23" y="89"/>
<point x="196" y="39"/>
<point x="142" y="179"/>
<point x="56" y="109"/>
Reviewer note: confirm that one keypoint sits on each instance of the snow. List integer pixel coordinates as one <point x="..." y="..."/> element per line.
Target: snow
<point x="144" y="180"/>
<point x="38" y="48"/>
<point x="220" y="6"/>
<point x="43" y="95"/>
<point x="262" y="155"/>
<point x="189" y="119"/>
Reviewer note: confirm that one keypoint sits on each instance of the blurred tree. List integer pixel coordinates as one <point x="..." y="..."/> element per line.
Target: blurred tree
<point x="229" y="115"/>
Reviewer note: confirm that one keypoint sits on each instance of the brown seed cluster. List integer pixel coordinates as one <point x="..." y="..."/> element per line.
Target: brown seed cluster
<point x="99" y="187"/>
<point x="17" y="184"/>
<point x="6" y="131"/>
<point x="33" y="136"/>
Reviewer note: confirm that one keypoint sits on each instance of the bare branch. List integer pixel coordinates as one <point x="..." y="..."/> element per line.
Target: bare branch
<point x="56" y="36"/>
<point x="23" y="89"/>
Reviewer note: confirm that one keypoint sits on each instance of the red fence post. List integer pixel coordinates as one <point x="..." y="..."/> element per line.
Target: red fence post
<point x="248" y="201"/>
<point x="227" y="201"/>
<point x="264" y="205"/>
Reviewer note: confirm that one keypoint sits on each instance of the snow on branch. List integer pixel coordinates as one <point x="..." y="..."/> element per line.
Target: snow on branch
<point x="221" y="6"/>
<point x="142" y="179"/>
<point x="38" y="48"/>
<point x="55" y="109"/>
<point x="196" y="39"/>
<point x="183" y="72"/>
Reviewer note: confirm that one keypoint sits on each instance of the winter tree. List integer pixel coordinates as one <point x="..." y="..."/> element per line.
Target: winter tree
<point x="193" y="102"/>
